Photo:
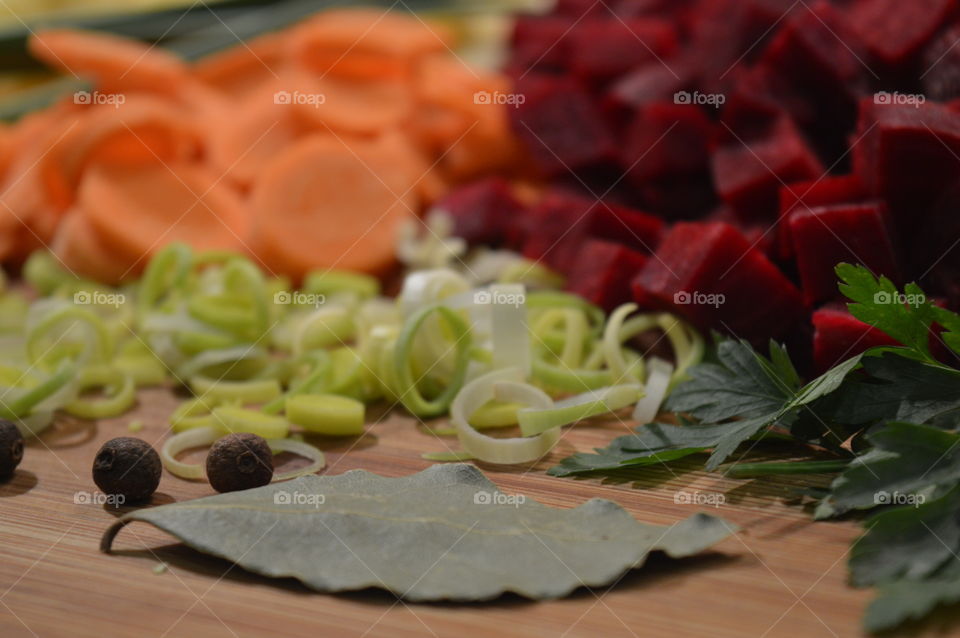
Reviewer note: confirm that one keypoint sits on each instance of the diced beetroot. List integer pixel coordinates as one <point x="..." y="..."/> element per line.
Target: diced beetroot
<point x="838" y="335"/>
<point x="679" y="11"/>
<point x="709" y="274"/>
<point x="840" y="189"/>
<point x="827" y="235"/>
<point x="649" y="83"/>
<point x="748" y="178"/>
<point x="759" y="95"/>
<point x="667" y="139"/>
<point x="604" y="273"/>
<point x="561" y="127"/>
<point x="632" y="228"/>
<point x="760" y="236"/>
<point x="560" y="223"/>
<point x="577" y="9"/>
<point x="539" y="43"/>
<point x="483" y="211"/>
<point x="601" y="49"/>
<point x="679" y="197"/>
<point x="724" y="34"/>
<point x="894" y="30"/>
<point x="908" y="156"/>
<point x="940" y="62"/>
<point x="934" y="255"/>
<point x="819" y="54"/>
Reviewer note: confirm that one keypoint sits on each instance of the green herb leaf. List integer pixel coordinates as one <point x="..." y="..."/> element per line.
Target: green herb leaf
<point x="906" y="463"/>
<point x="446" y="533"/>
<point x="743" y="384"/>
<point x="905" y="317"/>
<point x="901" y="389"/>
<point x="905" y="600"/>
<point x="911" y="542"/>
<point x="735" y="400"/>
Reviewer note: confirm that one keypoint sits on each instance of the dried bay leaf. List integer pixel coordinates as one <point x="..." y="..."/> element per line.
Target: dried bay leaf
<point x="446" y="533"/>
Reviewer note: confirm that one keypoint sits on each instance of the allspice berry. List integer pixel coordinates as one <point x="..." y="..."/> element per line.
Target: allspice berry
<point x="11" y="448"/>
<point x="127" y="467"/>
<point x="239" y="462"/>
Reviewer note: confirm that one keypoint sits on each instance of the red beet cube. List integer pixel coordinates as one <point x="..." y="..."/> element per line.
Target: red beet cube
<point x="840" y="189"/>
<point x="483" y="211"/>
<point x="649" y="83"/>
<point x="838" y="335"/>
<point x="632" y="228"/>
<point x="894" y="30"/>
<point x="748" y="178"/>
<point x="601" y="49"/>
<point x="709" y="274"/>
<point x="539" y="43"/>
<point x="822" y="57"/>
<point x="827" y="235"/>
<point x="604" y="272"/>
<point x="561" y="127"/>
<point x="667" y="139"/>
<point x="577" y="9"/>
<point x="760" y="236"/>
<point x="908" y="156"/>
<point x="940" y="62"/>
<point x="759" y="95"/>
<point x="561" y="222"/>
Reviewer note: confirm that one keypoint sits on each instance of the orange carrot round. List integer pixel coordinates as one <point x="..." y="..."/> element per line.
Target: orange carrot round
<point x="116" y="63"/>
<point x="323" y="204"/>
<point x="139" y="209"/>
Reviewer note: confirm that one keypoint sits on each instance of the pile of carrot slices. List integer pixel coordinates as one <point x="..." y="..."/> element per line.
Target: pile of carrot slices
<point x="304" y="148"/>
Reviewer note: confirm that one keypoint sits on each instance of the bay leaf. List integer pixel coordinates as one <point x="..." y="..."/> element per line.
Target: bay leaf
<point x="446" y="533"/>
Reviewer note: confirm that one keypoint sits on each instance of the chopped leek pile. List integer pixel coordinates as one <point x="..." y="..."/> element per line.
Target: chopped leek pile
<point x="259" y="356"/>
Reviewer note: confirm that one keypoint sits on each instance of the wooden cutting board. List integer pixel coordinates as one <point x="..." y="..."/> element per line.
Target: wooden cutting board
<point x="781" y="575"/>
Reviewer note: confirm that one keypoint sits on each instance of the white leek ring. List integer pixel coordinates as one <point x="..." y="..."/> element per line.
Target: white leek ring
<point x="582" y="406"/>
<point x="316" y="456"/>
<point x="196" y="437"/>
<point x="479" y="392"/>
<point x="658" y="382"/>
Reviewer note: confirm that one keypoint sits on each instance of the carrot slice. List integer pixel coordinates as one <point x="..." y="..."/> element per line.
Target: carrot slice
<point x="365" y="43"/>
<point x="118" y="64"/>
<point x="445" y="80"/>
<point x="139" y="209"/>
<point x="353" y="106"/>
<point x="256" y="131"/>
<point x="242" y="70"/>
<point x="141" y="130"/>
<point x="26" y="209"/>
<point x="321" y="204"/>
<point x="81" y="249"/>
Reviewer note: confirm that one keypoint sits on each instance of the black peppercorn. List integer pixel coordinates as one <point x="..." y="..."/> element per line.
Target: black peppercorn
<point x="127" y="467"/>
<point x="239" y="462"/>
<point x="11" y="448"/>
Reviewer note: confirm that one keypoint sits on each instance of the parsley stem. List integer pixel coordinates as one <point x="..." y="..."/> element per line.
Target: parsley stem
<point x="750" y="470"/>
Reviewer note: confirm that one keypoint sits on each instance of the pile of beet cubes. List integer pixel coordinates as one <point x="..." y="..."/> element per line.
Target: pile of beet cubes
<point x="718" y="158"/>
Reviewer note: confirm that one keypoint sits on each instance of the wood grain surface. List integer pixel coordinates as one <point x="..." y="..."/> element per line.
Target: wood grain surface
<point x="781" y="575"/>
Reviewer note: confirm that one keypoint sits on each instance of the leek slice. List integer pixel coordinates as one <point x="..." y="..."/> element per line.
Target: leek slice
<point x="481" y="391"/>
<point x="317" y="459"/>
<point x="197" y="437"/>
<point x="326" y="414"/>
<point x="658" y="382"/>
<point x="230" y="418"/>
<point x="582" y="406"/>
<point x="121" y="398"/>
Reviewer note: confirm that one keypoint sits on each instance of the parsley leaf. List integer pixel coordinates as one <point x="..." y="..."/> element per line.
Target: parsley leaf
<point x="734" y="400"/>
<point x="906" y="459"/>
<point x="900" y="389"/>
<point x="905" y="317"/>
<point x="909" y="599"/>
